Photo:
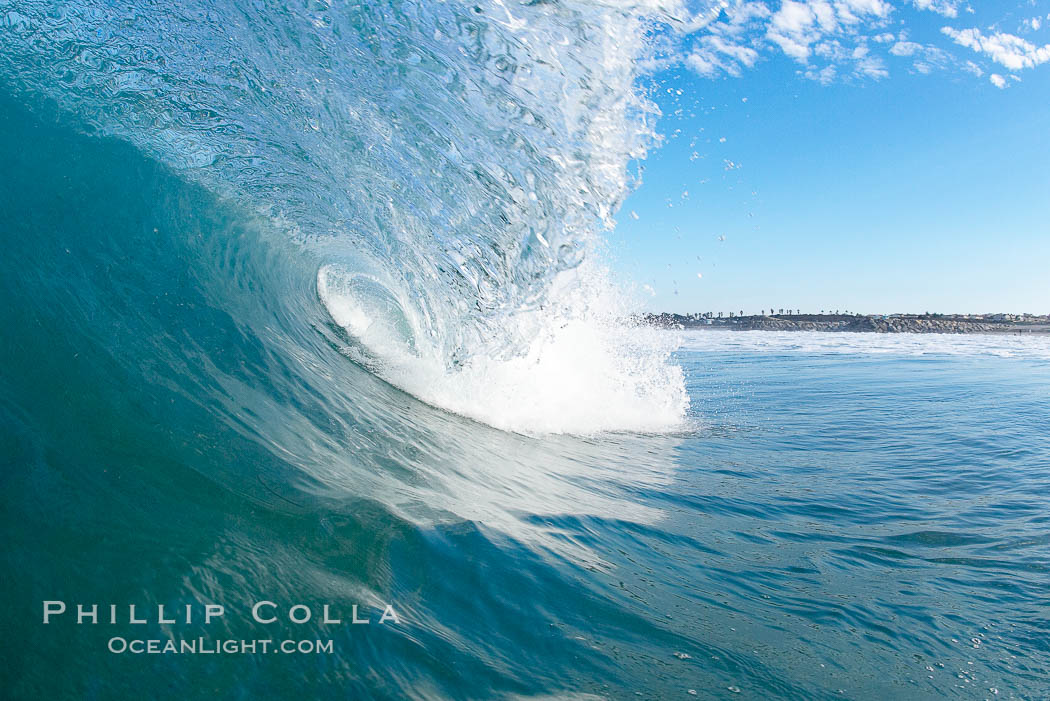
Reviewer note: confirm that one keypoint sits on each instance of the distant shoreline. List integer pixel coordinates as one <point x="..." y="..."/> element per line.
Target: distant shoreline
<point x="871" y="323"/>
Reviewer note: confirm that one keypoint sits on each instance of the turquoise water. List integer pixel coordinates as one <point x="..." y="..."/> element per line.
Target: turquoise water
<point x="265" y="341"/>
<point x="841" y="515"/>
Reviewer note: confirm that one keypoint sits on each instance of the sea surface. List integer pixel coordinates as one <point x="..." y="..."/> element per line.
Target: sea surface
<point x="305" y="304"/>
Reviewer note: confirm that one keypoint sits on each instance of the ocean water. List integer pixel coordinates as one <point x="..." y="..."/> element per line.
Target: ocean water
<point x="306" y="305"/>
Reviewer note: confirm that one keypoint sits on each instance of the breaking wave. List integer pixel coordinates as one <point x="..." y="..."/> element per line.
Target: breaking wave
<point x="444" y="172"/>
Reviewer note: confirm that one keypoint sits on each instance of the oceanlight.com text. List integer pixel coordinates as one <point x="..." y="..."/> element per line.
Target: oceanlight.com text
<point x="203" y="646"/>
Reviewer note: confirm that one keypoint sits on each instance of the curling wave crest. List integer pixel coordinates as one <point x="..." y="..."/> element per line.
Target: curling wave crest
<point x="450" y="168"/>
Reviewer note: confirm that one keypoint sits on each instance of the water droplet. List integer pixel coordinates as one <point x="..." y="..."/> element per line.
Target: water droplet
<point x="570" y="255"/>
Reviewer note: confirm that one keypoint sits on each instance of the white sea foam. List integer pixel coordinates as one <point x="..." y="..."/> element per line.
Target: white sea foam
<point x="1036" y="346"/>
<point x="580" y="374"/>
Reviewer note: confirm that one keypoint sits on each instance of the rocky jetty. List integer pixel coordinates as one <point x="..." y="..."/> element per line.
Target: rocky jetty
<point x="869" y="324"/>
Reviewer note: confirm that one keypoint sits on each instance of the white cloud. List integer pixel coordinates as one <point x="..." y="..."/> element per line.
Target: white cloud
<point x="851" y="12"/>
<point x="825" y="76"/>
<point x="853" y="39"/>
<point x="792" y="29"/>
<point x="997" y="80"/>
<point x="703" y="64"/>
<point x="948" y="8"/>
<point x="1033" y="24"/>
<point x="1011" y="51"/>
<point x="905" y="48"/>
<point x="878" y="8"/>
<point x="728" y="45"/>
<point x="871" y="67"/>
<point x="715" y="55"/>
<point x="924" y="57"/>
<point x="831" y="33"/>
<point x="742" y="54"/>
<point x="797" y="26"/>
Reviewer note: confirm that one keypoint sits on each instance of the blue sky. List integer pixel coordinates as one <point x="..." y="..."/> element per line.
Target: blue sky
<point x="850" y="154"/>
